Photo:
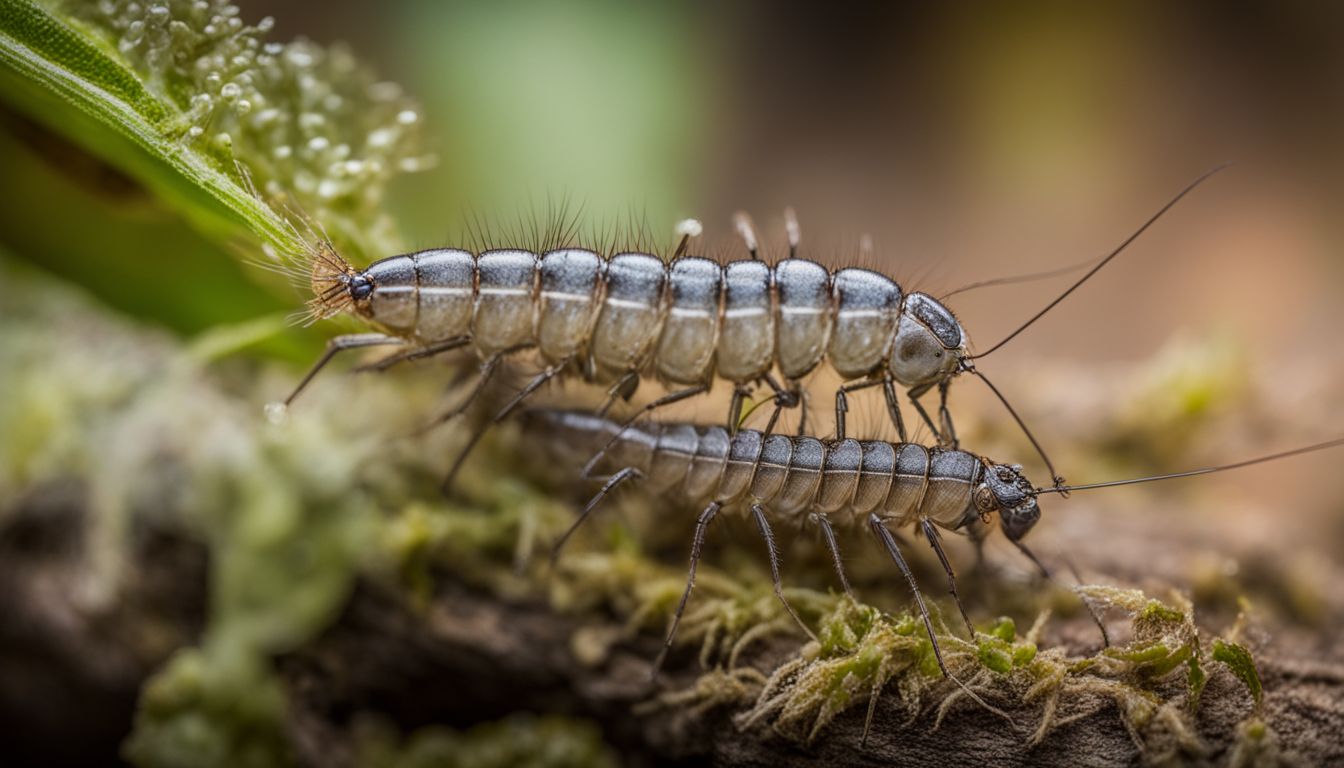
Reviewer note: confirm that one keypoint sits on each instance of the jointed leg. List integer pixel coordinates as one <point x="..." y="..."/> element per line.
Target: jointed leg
<point x="697" y="543"/>
<point x="915" y="394"/>
<point x="419" y="353"/>
<point x="340" y="344"/>
<point x="488" y="369"/>
<point x="945" y="416"/>
<point x="758" y="514"/>
<point x="523" y="394"/>
<point x="784" y="398"/>
<point x="620" y="477"/>
<point x="623" y="389"/>
<point x="668" y="399"/>
<point x="894" y="407"/>
<point x="931" y="533"/>
<point x="1045" y="572"/>
<point x="885" y="538"/>
<point x="842" y="405"/>
<point x="828" y="534"/>
<point x="802" y="407"/>
<point x="735" y="409"/>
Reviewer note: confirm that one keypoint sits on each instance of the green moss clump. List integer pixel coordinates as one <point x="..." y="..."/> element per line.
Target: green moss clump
<point x="203" y="711"/>
<point x="860" y="650"/>
<point x="1239" y="660"/>
<point x="521" y="741"/>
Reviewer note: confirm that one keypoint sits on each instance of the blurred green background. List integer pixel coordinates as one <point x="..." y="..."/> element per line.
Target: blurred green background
<point x="968" y="141"/>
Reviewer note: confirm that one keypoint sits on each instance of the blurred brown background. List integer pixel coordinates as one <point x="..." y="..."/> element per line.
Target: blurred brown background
<point x="969" y="141"/>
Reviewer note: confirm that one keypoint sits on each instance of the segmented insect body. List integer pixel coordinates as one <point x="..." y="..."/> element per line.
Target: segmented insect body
<point x="797" y="477"/>
<point x="803" y="480"/>
<point x="687" y="322"/>
<point x="633" y="315"/>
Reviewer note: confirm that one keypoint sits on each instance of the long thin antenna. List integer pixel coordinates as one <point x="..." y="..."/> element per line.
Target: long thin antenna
<point x="1151" y="220"/>
<point x="1023" y="278"/>
<point x="1059" y="481"/>
<point x="1193" y="472"/>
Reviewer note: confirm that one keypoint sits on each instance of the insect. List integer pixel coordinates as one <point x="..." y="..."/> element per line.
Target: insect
<point x="686" y="322"/>
<point x="802" y="480"/>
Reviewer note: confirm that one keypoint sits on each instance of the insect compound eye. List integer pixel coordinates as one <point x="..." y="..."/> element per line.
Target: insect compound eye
<point x="361" y="287"/>
<point x="984" y="500"/>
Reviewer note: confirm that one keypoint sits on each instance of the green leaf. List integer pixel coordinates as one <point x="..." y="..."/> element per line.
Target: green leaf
<point x="63" y="77"/>
<point x="233" y="131"/>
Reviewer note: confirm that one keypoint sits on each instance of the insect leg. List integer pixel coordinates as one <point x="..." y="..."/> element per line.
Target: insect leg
<point x="668" y="399"/>
<point x="917" y="393"/>
<point x="623" y="389"/>
<point x="628" y="473"/>
<point x="523" y="394"/>
<point x="735" y="408"/>
<point x="784" y="398"/>
<point x="488" y="369"/>
<point x="758" y="514"/>
<point x="430" y="350"/>
<point x="340" y="344"/>
<point x="697" y="543"/>
<point x="802" y="412"/>
<point x="1045" y="572"/>
<point x="843" y="404"/>
<point x="931" y="533"/>
<point x="977" y="531"/>
<point x="893" y="406"/>
<point x="885" y="538"/>
<point x="884" y="535"/>
<point x="828" y="533"/>
<point x="945" y="416"/>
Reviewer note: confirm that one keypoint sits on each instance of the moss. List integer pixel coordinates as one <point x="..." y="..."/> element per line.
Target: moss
<point x="520" y="740"/>
<point x="210" y="708"/>
<point x="999" y="651"/>
<point x="1239" y="660"/>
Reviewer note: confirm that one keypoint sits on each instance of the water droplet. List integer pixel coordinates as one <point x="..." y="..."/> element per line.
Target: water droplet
<point x="299" y="57"/>
<point x="407" y="117"/>
<point x="230" y="91"/>
<point x="328" y="189"/>
<point x="276" y="413"/>
<point x="318" y="143"/>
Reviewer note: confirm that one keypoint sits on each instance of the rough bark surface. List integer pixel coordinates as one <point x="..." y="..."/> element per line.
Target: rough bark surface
<point x="470" y="657"/>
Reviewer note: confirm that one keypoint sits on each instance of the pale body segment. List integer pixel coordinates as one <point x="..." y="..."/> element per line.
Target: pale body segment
<point x="691" y="319"/>
<point x="800" y="480"/>
<point x="632" y="316"/>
